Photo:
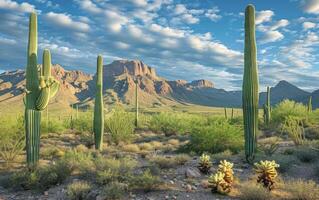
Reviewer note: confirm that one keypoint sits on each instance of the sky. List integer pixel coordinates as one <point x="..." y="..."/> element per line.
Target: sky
<point x="181" y="39"/>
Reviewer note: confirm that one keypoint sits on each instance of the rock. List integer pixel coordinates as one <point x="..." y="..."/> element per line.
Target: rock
<point x="166" y="197"/>
<point x="192" y="173"/>
<point x="188" y="188"/>
<point x="205" y="184"/>
<point x="46" y="193"/>
<point x="171" y="182"/>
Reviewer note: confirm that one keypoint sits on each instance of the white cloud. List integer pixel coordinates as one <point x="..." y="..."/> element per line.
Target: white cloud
<point x="122" y="45"/>
<point x="167" y="31"/>
<point x="271" y="36"/>
<point x="212" y="14"/>
<point x="264" y="16"/>
<point x="180" y="9"/>
<point x="115" y="21"/>
<point x="88" y="5"/>
<point x="279" y="24"/>
<point x="12" y="5"/>
<point x="311" y="6"/>
<point x="65" y="21"/>
<point x="7" y="41"/>
<point x="308" y="25"/>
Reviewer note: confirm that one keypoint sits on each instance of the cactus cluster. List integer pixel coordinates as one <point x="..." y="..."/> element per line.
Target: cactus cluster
<point x="222" y="181"/>
<point x="267" y="173"/>
<point x="98" y="121"/>
<point x="40" y="88"/>
<point x="250" y="85"/>
<point x="204" y="163"/>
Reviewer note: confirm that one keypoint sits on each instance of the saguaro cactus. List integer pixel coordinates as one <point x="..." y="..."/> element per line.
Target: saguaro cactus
<point x="136" y="103"/>
<point x="267" y="108"/>
<point x="225" y="113"/>
<point x="98" y="121"/>
<point x="250" y="85"/>
<point x="310" y="104"/>
<point x="39" y="90"/>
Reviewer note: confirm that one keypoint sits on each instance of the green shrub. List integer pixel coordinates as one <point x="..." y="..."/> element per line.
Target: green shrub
<point x="305" y="190"/>
<point x="215" y="138"/>
<point x="120" y="125"/>
<point x="52" y="126"/>
<point x="288" y="108"/>
<point x="293" y="127"/>
<point x="306" y="155"/>
<point x="225" y="155"/>
<point x="79" y="190"/>
<point x="80" y="162"/>
<point x="114" y="191"/>
<point x="312" y="133"/>
<point x="251" y="191"/>
<point x="145" y="181"/>
<point x="284" y="161"/>
<point x="175" y="123"/>
<point x="83" y="123"/>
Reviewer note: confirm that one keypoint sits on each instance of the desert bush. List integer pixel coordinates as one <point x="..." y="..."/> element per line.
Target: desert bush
<point x="288" y="108"/>
<point x="312" y="133"/>
<point x="52" y="126"/>
<point x="12" y="138"/>
<point x="145" y="181"/>
<point x="293" y="127"/>
<point x="78" y="190"/>
<point x="299" y="189"/>
<point x="174" y="123"/>
<point x="146" y="146"/>
<point x="284" y="161"/>
<point x="134" y="148"/>
<point x="252" y="191"/>
<point x="165" y="162"/>
<point x="79" y="162"/>
<point x="120" y="125"/>
<point x="83" y="123"/>
<point x="51" y="152"/>
<point x="269" y="147"/>
<point x="181" y="159"/>
<point x="114" y="191"/>
<point x="217" y="157"/>
<point x="217" y="137"/>
<point x="306" y="154"/>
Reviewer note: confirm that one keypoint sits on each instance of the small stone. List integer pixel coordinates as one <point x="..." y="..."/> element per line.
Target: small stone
<point x="188" y="188"/>
<point x="192" y="173"/>
<point x="194" y="188"/>
<point x="171" y="182"/>
<point x="205" y="184"/>
<point x="46" y="193"/>
<point x="166" y="197"/>
<point x="174" y="197"/>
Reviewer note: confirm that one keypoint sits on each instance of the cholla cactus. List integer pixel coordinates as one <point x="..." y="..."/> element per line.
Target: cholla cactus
<point x="227" y="169"/>
<point x="267" y="173"/>
<point x="218" y="184"/>
<point x="204" y="163"/>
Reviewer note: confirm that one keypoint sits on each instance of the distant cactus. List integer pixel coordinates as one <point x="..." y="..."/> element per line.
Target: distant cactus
<point x="136" y="102"/>
<point x="225" y="111"/>
<point x="310" y="104"/>
<point x="98" y="121"/>
<point x="232" y="113"/>
<point x="250" y="85"/>
<point x="267" y="108"/>
<point x="39" y="89"/>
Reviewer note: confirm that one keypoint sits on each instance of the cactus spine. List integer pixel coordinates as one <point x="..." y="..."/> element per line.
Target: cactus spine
<point x="250" y="85"/>
<point x="39" y="90"/>
<point x="267" y="108"/>
<point x="136" y="103"/>
<point x="310" y="104"/>
<point x="98" y="121"/>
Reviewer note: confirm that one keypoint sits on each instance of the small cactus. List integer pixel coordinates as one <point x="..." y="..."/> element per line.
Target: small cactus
<point x="227" y="169"/>
<point x="204" y="163"/>
<point x="310" y="104"/>
<point x="267" y="173"/>
<point x="218" y="184"/>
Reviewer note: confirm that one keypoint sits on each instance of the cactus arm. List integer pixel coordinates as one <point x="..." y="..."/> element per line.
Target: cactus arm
<point x="98" y="121"/>
<point x="54" y="88"/>
<point x="250" y="85"/>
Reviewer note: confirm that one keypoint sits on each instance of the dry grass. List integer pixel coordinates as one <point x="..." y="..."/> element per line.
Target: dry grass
<point x="146" y="146"/>
<point x="253" y="191"/>
<point x="173" y="142"/>
<point x="134" y="148"/>
<point x="303" y="190"/>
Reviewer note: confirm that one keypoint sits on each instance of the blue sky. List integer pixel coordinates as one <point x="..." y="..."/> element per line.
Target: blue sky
<point x="195" y="39"/>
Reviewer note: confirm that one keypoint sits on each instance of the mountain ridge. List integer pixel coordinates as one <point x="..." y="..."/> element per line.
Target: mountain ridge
<point x="119" y="87"/>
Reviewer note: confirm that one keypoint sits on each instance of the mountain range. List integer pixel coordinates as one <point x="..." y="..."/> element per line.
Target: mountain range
<point x="155" y="91"/>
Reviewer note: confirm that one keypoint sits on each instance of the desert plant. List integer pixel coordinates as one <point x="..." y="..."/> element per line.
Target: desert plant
<point x="267" y="173"/>
<point x="309" y="108"/>
<point x="305" y="190"/>
<point x="145" y="181"/>
<point x="306" y="154"/>
<point x="10" y="148"/>
<point x="293" y="126"/>
<point x="204" y="164"/>
<point x="225" y="112"/>
<point x="114" y="191"/>
<point x="78" y="190"/>
<point x="136" y="103"/>
<point x="218" y="184"/>
<point x="98" y="121"/>
<point x="120" y="126"/>
<point x="269" y="147"/>
<point x="253" y="191"/>
<point x="227" y="169"/>
<point x="288" y="108"/>
<point x="39" y="90"/>
<point x="250" y="85"/>
<point x="267" y="108"/>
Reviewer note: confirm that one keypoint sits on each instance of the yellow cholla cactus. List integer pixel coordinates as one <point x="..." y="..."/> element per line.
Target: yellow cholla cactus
<point x="227" y="168"/>
<point x="204" y="163"/>
<point x="218" y="183"/>
<point x="267" y="173"/>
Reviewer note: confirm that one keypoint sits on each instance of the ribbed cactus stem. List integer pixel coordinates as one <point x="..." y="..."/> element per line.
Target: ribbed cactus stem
<point x="267" y="108"/>
<point x="232" y="113"/>
<point x="310" y="104"/>
<point x="136" y="103"/>
<point x="39" y="89"/>
<point x="225" y="112"/>
<point x="250" y="85"/>
<point x="98" y="121"/>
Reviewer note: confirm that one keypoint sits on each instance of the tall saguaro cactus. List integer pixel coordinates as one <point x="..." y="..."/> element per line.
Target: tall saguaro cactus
<point x="39" y="90"/>
<point x="136" y="103"/>
<point x="98" y="121"/>
<point x="250" y="85"/>
<point x="310" y="104"/>
<point x="267" y="108"/>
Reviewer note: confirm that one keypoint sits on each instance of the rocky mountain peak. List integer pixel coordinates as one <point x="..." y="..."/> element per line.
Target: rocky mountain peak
<point x="132" y="67"/>
<point x="201" y="84"/>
